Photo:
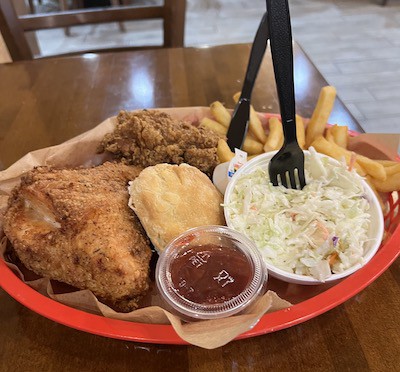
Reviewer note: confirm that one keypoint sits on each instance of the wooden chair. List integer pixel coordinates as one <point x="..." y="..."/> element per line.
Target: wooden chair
<point x="32" y="6"/>
<point x="13" y="27"/>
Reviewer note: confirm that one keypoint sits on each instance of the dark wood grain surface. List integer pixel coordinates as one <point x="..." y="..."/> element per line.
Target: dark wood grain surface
<point x="45" y="102"/>
<point x="14" y="28"/>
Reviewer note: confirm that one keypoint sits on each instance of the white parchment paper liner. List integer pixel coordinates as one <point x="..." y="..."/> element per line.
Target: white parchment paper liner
<point x="81" y="151"/>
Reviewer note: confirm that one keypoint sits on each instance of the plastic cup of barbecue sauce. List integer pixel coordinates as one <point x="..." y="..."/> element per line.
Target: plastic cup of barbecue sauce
<point x="210" y="272"/>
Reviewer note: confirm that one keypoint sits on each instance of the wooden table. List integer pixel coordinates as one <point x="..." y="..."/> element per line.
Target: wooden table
<point x="45" y="102"/>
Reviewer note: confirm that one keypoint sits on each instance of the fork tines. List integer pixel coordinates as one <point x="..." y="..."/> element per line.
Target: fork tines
<point x="286" y="168"/>
<point x="293" y="178"/>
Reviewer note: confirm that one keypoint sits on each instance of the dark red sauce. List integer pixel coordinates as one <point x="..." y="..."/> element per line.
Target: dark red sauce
<point x="210" y="274"/>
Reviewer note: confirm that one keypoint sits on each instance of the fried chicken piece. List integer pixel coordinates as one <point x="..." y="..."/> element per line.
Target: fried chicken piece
<point x="75" y="226"/>
<point x="147" y="138"/>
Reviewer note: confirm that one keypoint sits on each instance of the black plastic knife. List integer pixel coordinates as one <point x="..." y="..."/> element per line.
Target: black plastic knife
<point x="240" y="119"/>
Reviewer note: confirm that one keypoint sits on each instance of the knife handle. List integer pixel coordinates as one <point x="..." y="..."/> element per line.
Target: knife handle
<point x="282" y="58"/>
<point x="256" y="56"/>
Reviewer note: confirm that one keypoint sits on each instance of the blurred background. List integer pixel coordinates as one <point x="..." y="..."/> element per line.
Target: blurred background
<point x="354" y="43"/>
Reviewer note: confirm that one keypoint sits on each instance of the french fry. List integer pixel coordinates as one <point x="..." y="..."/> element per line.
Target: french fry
<point x="363" y="165"/>
<point x="320" y="116"/>
<point x="252" y="146"/>
<point x="340" y="135"/>
<point x="224" y="153"/>
<point x="300" y="132"/>
<point x="255" y="125"/>
<point x="329" y="135"/>
<point x="251" y="136"/>
<point x="392" y="183"/>
<point x="373" y="168"/>
<point x="378" y="196"/>
<point x="252" y="156"/>
<point x="387" y="163"/>
<point x="220" y="113"/>
<point x="213" y="125"/>
<point x="323" y="146"/>
<point x="393" y="169"/>
<point x="275" y="136"/>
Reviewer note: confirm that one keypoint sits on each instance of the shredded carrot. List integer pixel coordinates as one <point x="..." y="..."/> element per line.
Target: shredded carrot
<point x="325" y="231"/>
<point x="352" y="161"/>
<point x="332" y="258"/>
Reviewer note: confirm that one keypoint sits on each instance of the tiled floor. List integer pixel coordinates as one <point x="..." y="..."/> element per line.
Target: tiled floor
<point x="354" y="43"/>
<point x="356" y="46"/>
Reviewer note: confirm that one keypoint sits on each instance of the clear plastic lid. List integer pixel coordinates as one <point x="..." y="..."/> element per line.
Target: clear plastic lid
<point x="210" y="272"/>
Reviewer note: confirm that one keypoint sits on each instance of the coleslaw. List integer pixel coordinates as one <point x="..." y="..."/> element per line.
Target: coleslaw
<point x="316" y="231"/>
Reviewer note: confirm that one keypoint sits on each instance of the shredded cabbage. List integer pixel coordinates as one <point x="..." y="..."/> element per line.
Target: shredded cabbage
<point x="316" y="231"/>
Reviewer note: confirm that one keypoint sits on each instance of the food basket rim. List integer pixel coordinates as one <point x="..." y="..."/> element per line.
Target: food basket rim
<point x="165" y="334"/>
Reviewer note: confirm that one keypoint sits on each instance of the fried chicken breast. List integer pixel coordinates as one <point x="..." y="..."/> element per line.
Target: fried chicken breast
<point x="151" y="137"/>
<point x="75" y="226"/>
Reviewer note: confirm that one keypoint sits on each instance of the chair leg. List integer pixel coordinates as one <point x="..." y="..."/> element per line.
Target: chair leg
<point x="32" y="7"/>
<point x="77" y="4"/>
<point x="63" y="7"/>
<point x="120" y="24"/>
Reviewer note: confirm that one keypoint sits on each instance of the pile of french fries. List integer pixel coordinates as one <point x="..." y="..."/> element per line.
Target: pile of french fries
<point x="382" y="175"/>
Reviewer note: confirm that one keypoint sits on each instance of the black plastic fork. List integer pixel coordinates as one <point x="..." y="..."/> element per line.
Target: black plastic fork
<point x="290" y="157"/>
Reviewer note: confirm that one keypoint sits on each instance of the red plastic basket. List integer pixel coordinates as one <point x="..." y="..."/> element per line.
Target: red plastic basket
<point x="322" y="301"/>
<point x="165" y="334"/>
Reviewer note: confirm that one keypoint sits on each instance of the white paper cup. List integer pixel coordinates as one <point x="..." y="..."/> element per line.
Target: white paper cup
<point x="375" y="232"/>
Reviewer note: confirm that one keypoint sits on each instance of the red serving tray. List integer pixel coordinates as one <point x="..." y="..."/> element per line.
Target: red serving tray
<point x="165" y="334"/>
<point x="303" y="310"/>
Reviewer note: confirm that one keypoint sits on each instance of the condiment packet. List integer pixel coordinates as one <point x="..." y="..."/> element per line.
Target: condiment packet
<point x="225" y="171"/>
<point x="238" y="160"/>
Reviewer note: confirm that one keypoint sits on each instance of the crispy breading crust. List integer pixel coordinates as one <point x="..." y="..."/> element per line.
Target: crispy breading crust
<point x="151" y="137"/>
<point x="75" y="226"/>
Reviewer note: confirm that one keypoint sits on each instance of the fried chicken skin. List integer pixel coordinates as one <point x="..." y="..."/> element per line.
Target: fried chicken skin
<point x="151" y="137"/>
<point x="75" y="226"/>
